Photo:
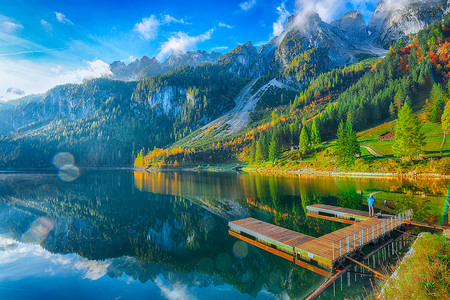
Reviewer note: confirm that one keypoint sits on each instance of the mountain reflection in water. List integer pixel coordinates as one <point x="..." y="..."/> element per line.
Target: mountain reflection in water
<point x="138" y="235"/>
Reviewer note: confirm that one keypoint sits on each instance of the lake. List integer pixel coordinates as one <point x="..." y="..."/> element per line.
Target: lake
<point x="121" y="234"/>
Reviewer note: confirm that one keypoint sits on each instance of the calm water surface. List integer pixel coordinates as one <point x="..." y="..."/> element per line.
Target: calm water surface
<point x="164" y="235"/>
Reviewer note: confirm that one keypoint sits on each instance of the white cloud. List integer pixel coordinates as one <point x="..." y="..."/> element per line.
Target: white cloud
<point x="181" y="42"/>
<point x="174" y="291"/>
<point x="220" y="48"/>
<point x="167" y="19"/>
<point x="283" y="15"/>
<point x="8" y="25"/>
<point x="47" y="26"/>
<point x="148" y="27"/>
<point x="246" y="5"/>
<point x="221" y="24"/>
<point x="62" y="18"/>
<point x="38" y="78"/>
<point x="34" y="255"/>
<point x="329" y="10"/>
<point x="261" y="43"/>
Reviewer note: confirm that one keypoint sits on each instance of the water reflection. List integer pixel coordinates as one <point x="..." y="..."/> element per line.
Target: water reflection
<point x="166" y="241"/>
<point x="166" y="233"/>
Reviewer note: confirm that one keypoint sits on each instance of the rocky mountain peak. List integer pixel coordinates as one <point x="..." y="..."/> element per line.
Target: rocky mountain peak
<point x="145" y="67"/>
<point x="239" y="60"/>
<point x="393" y="20"/>
<point x="352" y="25"/>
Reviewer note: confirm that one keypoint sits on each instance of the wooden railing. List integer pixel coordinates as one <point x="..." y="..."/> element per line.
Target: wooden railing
<point x="364" y="236"/>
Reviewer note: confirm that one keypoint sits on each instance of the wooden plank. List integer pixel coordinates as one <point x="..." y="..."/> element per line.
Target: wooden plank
<point x="330" y="218"/>
<point x="267" y="233"/>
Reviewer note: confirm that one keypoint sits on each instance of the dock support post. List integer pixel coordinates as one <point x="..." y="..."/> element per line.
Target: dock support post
<point x="368" y="268"/>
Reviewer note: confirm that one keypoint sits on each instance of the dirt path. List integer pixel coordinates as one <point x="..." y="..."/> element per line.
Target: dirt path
<point x="372" y="152"/>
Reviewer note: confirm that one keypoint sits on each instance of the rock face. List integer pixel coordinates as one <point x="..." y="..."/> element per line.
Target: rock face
<point x="145" y="67"/>
<point x="393" y="19"/>
<point x="352" y="27"/>
<point x="240" y="60"/>
<point x="69" y="101"/>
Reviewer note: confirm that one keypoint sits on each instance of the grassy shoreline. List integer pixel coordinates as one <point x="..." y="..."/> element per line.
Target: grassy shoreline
<point x="424" y="273"/>
<point x="297" y="172"/>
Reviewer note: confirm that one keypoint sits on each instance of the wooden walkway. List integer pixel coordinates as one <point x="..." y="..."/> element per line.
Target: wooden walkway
<point x="325" y="250"/>
<point x="335" y="213"/>
<point x="274" y="236"/>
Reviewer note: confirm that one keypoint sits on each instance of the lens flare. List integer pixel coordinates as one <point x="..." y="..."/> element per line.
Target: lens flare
<point x="38" y="231"/>
<point x="65" y="162"/>
<point x="63" y="159"/>
<point x="68" y="173"/>
<point x="240" y="249"/>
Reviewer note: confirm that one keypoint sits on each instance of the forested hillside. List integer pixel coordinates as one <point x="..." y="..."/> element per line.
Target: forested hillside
<point x="106" y="123"/>
<point x="250" y="105"/>
<point x="364" y="95"/>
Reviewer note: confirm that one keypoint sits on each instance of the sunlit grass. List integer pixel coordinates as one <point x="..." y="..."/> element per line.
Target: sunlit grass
<point x="425" y="274"/>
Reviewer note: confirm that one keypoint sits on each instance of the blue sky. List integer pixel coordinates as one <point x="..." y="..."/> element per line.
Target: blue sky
<point x="48" y="42"/>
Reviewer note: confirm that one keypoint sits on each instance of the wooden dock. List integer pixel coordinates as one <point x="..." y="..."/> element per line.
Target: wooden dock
<point x="276" y="237"/>
<point x="325" y="250"/>
<point x="335" y="213"/>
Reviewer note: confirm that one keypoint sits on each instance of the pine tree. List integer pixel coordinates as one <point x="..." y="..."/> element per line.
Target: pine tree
<point x="265" y="147"/>
<point x="392" y="109"/>
<point x="304" y="140"/>
<point x="259" y="158"/>
<point x="341" y="142"/>
<point x="409" y="139"/>
<point x="274" y="148"/>
<point x="414" y="65"/>
<point x="434" y="107"/>
<point x="398" y="100"/>
<point x="347" y="143"/>
<point x="445" y="123"/>
<point x="252" y="152"/>
<point x="315" y="135"/>
<point x="352" y="147"/>
<point x="408" y="100"/>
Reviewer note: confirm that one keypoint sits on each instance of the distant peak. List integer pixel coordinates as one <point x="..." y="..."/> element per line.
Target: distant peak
<point x="353" y="14"/>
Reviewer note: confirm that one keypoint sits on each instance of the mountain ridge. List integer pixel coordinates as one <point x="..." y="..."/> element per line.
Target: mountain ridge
<point x="188" y="97"/>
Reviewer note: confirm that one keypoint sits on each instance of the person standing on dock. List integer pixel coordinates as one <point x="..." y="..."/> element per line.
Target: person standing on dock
<point x="371" y="203"/>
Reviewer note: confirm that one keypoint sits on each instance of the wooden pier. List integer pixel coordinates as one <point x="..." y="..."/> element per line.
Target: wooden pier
<point x="335" y="213"/>
<point x="325" y="250"/>
<point x="276" y="237"/>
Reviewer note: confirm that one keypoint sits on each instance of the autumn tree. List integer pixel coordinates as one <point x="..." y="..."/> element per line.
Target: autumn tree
<point x="139" y="161"/>
<point x="409" y="139"/>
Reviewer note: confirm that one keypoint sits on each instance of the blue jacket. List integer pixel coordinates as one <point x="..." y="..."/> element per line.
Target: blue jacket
<point x="371" y="201"/>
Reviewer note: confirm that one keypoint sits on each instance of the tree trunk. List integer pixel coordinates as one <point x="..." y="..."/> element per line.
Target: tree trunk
<point x="442" y="144"/>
